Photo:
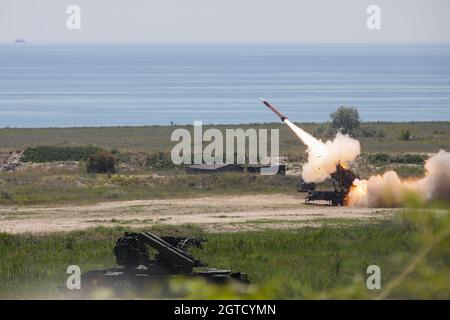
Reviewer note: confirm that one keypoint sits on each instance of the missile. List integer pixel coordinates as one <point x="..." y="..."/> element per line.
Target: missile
<point x="274" y="110"/>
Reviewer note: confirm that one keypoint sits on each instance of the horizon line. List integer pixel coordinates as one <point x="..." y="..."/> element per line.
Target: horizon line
<point x="211" y="124"/>
<point x="81" y="42"/>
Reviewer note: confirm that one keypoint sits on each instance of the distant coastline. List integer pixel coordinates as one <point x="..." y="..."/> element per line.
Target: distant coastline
<point x="220" y="125"/>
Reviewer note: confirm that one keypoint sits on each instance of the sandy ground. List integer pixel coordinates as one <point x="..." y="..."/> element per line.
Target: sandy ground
<point x="214" y="213"/>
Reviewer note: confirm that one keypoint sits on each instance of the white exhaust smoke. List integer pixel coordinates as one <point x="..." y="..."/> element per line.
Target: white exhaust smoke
<point x="324" y="156"/>
<point x="388" y="190"/>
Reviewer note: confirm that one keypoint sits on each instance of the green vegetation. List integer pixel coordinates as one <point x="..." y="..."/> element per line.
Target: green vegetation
<point x="346" y="119"/>
<point x="57" y="153"/>
<point x="160" y="160"/>
<point x="6" y="195"/>
<point x="155" y="177"/>
<point x="370" y="132"/>
<point x="101" y="162"/>
<point x="405" y="135"/>
<point x="407" y="171"/>
<point x="39" y="188"/>
<point x="407" y="158"/>
<point x="328" y="262"/>
<point x="428" y="137"/>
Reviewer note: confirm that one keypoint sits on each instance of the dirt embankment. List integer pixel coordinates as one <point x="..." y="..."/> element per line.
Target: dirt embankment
<point x="214" y="213"/>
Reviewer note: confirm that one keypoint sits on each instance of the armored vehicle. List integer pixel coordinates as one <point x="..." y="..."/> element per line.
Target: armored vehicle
<point x="342" y="181"/>
<point x="148" y="261"/>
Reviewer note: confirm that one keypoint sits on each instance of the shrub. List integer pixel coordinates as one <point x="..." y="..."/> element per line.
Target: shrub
<point x="367" y="132"/>
<point x="320" y="129"/>
<point x="55" y="153"/>
<point x="345" y="118"/>
<point x="7" y="195"/>
<point x="160" y="160"/>
<point x="379" y="158"/>
<point x="407" y="158"/>
<point x="381" y="134"/>
<point x="405" y="135"/>
<point x="413" y="158"/>
<point x="101" y="162"/>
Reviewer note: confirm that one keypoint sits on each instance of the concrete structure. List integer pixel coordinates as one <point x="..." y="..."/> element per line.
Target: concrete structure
<point x="213" y="168"/>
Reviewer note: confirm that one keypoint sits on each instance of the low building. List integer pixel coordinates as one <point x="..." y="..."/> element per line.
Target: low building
<point x="257" y="168"/>
<point x="213" y="168"/>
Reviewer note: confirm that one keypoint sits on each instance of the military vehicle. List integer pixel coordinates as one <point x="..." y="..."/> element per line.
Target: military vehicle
<point x="342" y="181"/>
<point x="147" y="262"/>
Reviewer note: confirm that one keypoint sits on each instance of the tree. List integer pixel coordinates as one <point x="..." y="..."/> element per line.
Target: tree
<point x="346" y="119"/>
<point x="101" y="162"/>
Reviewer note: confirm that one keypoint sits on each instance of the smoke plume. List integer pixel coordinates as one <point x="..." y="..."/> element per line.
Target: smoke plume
<point x="324" y="156"/>
<point x="388" y="190"/>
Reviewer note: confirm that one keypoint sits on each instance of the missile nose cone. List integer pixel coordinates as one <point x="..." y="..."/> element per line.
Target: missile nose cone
<point x="262" y="99"/>
<point x="274" y="110"/>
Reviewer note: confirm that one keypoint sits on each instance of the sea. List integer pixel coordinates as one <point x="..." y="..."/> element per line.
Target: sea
<point x="77" y="85"/>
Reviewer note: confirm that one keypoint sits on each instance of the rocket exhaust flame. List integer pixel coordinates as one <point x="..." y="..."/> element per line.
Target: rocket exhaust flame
<point x="386" y="190"/>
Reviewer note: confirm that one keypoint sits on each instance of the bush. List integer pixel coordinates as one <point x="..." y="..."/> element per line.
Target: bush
<point x="381" y="134"/>
<point x="346" y="119"/>
<point x="407" y="158"/>
<point x="55" y="153"/>
<point x="379" y="158"/>
<point x="7" y="195"/>
<point x="409" y="171"/>
<point x="413" y="158"/>
<point x="367" y="132"/>
<point x="101" y="162"/>
<point x="320" y="129"/>
<point x="405" y="135"/>
<point x="160" y="160"/>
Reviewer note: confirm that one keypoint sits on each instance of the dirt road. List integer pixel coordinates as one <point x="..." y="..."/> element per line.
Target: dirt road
<point x="214" y="213"/>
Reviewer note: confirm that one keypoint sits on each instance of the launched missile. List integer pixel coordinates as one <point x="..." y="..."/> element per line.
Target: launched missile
<point x="274" y="110"/>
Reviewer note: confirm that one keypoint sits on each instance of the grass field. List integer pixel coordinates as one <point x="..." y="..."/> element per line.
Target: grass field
<point x="425" y="137"/>
<point x="328" y="262"/>
<point x="35" y="188"/>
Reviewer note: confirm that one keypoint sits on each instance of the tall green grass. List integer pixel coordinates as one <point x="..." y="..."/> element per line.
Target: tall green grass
<point x="412" y="251"/>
